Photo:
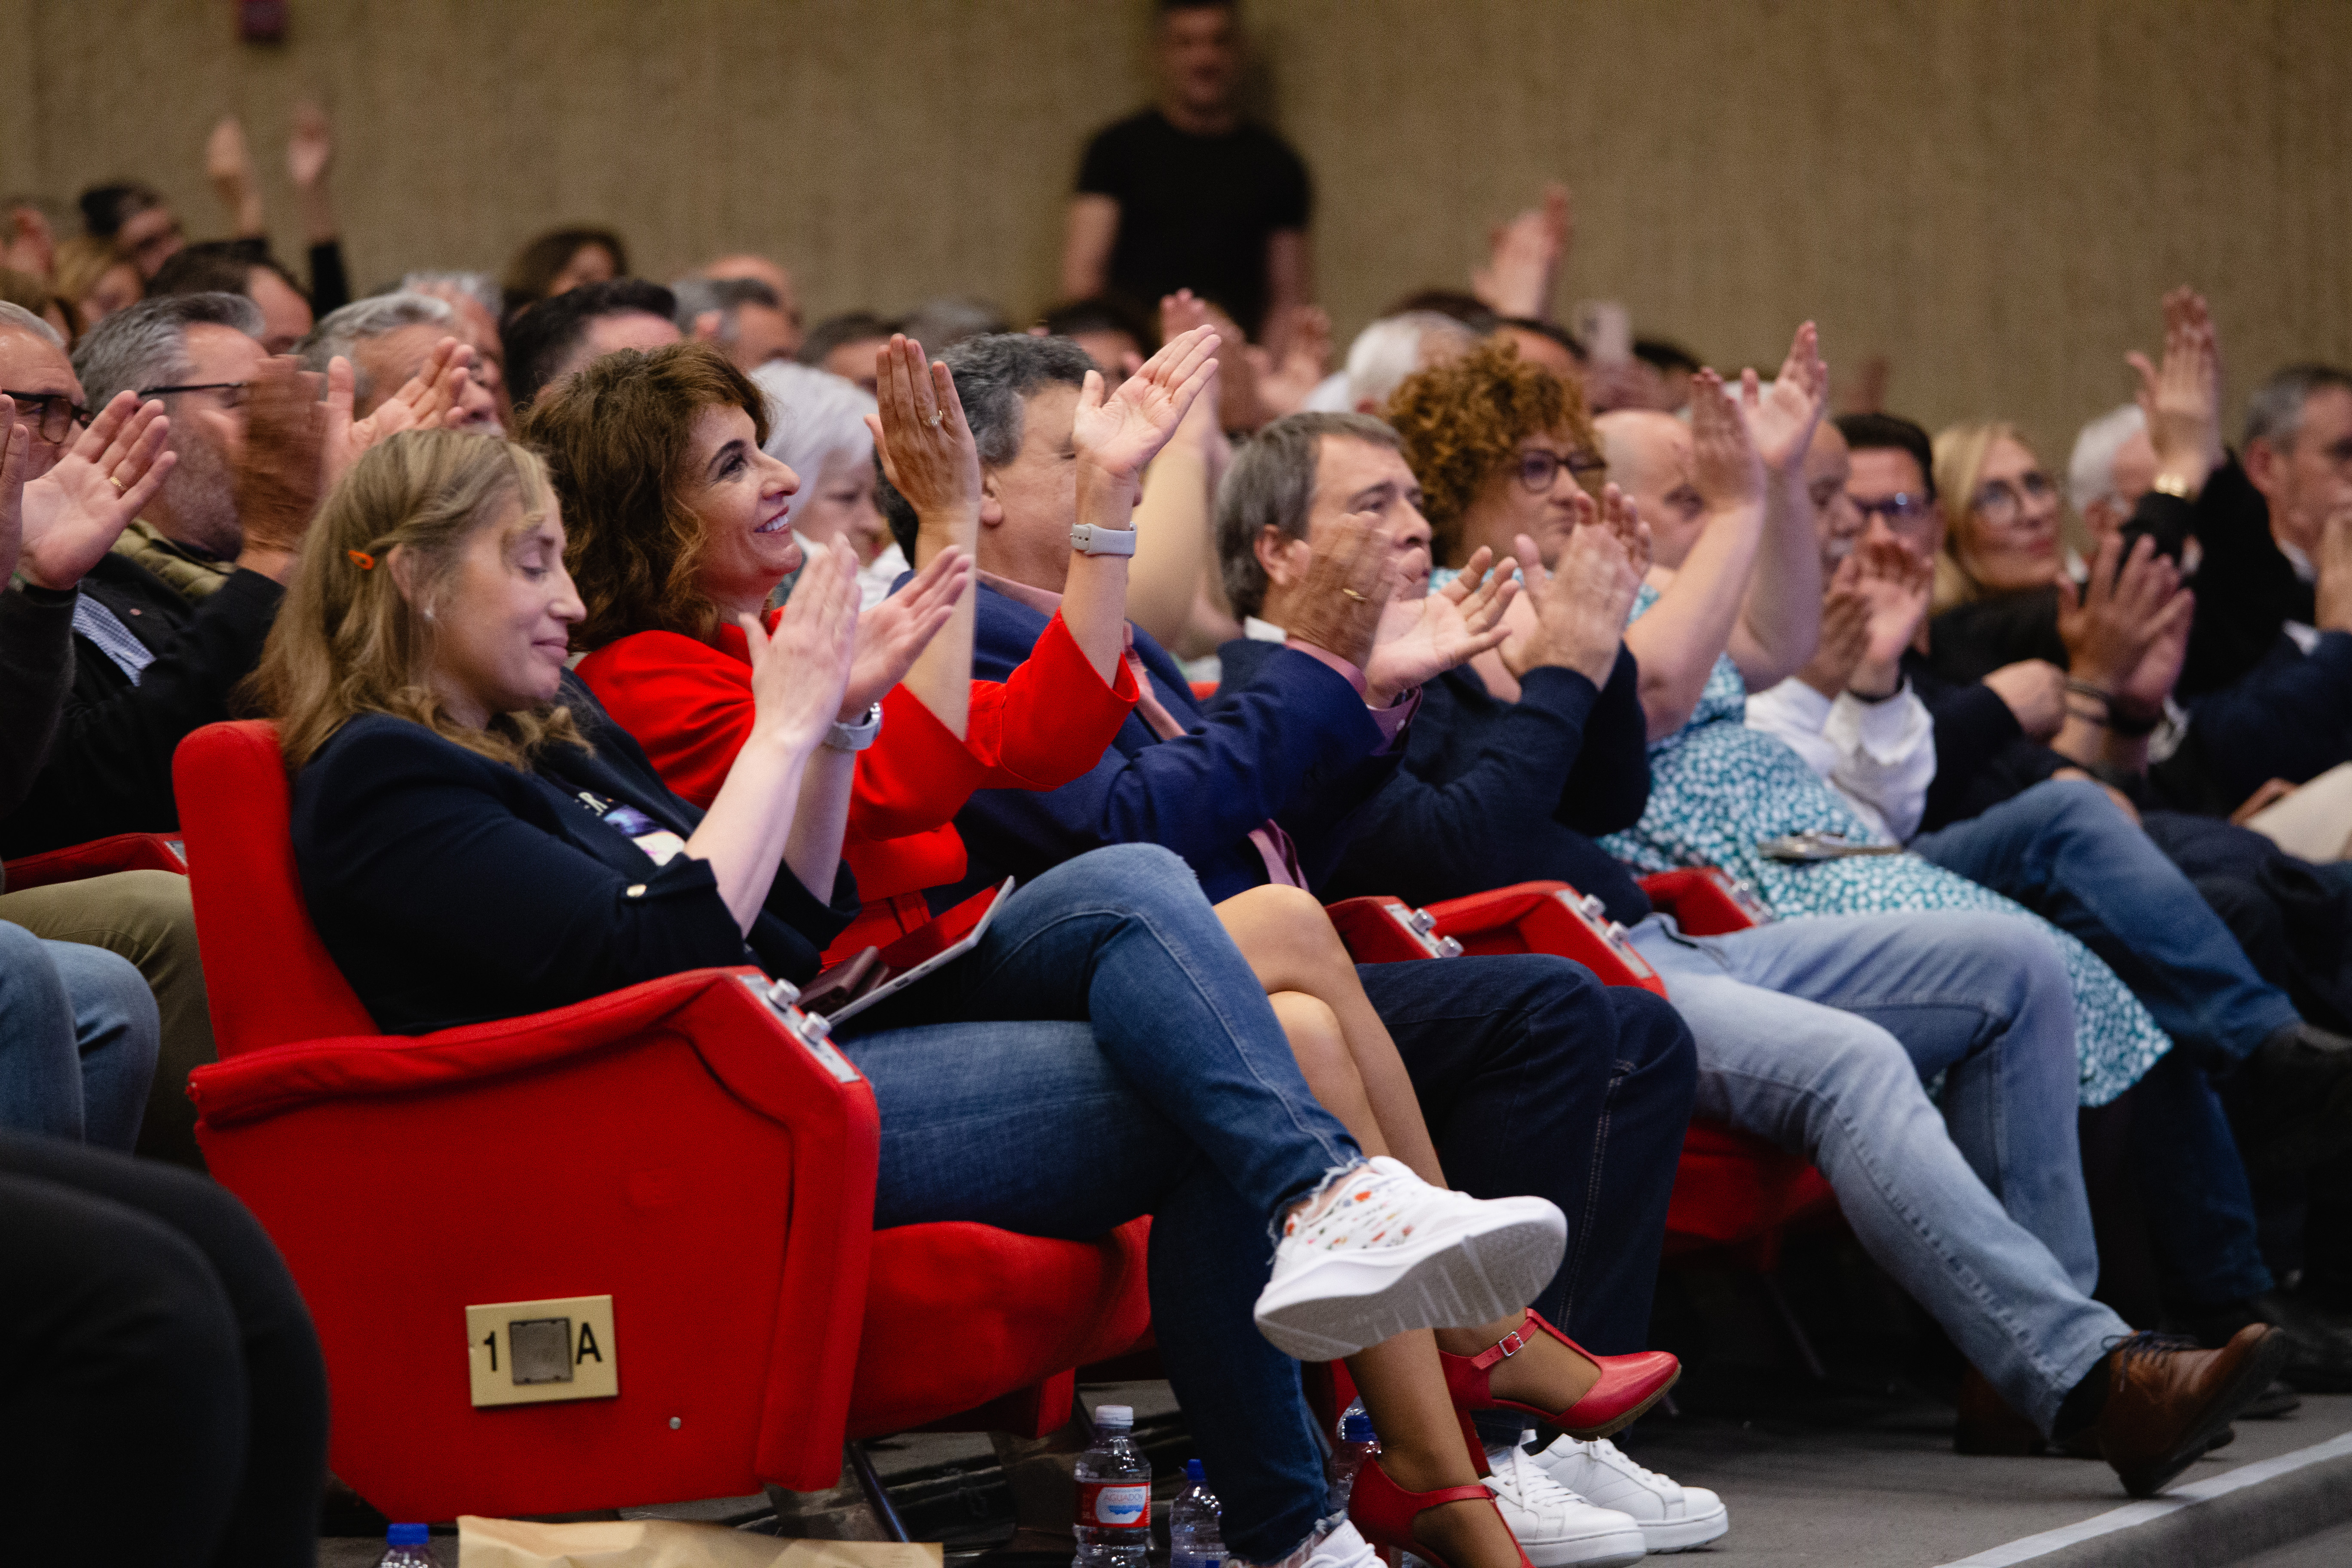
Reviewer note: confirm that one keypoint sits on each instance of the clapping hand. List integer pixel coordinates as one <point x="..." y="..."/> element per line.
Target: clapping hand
<point x="1896" y="586"/>
<point x="1780" y="422"/>
<point x="1420" y="639"/>
<point x="72" y="515"/>
<point x="282" y="466"/>
<point x="1580" y="608"/>
<point x="1284" y="383"/>
<point x="2110" y="625"/>
<point x="1351" y="571"/>
<point x="800" y="674"/>
<point x="1846" y="632"/>
<point x="920" y="434"/>
<point x="431" y="399"/>
<point x="2182" y="402"/>
<point x="1726" y="468"/>
<point x="1115" y="435"/>
<point x="893" y="634"/>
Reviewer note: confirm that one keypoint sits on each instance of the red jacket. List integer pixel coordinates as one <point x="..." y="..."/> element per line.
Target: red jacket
<point x="689" y="704"/>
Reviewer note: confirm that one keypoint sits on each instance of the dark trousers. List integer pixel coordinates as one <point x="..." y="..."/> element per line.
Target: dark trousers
<point x="1536" y="1078"/>
<point x="161" y="1397"/>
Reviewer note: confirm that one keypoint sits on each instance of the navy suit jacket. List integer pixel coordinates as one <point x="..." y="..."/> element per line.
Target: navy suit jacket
<point x="451" y="888"/>
<point x="1294" y="745"/>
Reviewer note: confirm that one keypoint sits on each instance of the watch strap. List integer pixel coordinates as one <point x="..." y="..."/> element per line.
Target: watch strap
<point x="858" y="736"/>
<point x="1088" y="539"/>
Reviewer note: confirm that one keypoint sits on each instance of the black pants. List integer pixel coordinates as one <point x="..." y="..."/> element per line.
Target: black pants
<point x="161" y="1397"/>
<point x="1536" y="1078"/>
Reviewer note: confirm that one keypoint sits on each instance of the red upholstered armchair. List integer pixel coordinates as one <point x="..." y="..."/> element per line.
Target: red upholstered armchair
<point x="688" y="1147"/>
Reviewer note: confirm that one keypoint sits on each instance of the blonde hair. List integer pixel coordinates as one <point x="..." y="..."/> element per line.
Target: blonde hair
<point x="1961" y="453"/>
<point x="348" y="642"/>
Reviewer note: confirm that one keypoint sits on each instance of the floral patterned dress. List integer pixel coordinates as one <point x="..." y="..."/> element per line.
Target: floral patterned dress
<point x="1717" y="789"/>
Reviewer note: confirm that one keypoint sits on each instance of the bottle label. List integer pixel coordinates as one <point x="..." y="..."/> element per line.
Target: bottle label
<point x="1115" y="1505"/>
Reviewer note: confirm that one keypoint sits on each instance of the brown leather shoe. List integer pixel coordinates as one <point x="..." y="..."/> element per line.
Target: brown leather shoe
<point x="2167" y="1400"/>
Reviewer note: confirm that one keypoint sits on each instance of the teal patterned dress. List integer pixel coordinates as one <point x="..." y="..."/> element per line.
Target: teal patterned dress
<point x="1717" y="789"/>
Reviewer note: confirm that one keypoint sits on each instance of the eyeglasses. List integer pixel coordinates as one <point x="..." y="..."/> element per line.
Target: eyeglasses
<point x="1998" y="502"/>
<point x="52" y="414"/>
<point x="1899" y="508"/>
<point x="232" y="392"/>
<point x="1539" y="469"/>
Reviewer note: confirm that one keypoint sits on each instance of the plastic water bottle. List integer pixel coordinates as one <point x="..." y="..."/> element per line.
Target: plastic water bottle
<point x="1356" y="1445"/>
<point x="1195" y="1539"/>
<point x="1113" y="1523"/>
<point x="406" y="1546"/>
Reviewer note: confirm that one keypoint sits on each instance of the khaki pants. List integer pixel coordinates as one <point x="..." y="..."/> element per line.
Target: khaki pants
<point x="146" y="916"/>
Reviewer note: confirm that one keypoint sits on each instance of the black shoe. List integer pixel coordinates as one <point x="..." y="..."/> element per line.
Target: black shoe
<point x="2319" y="1342"/>
<point x="2292" y="1097"/>
<point x="2277" y="1399"/>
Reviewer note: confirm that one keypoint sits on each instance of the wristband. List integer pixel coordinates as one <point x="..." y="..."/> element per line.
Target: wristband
<point x="1088" y="539"/>
<point x="2098" y="694"/>
<point x="1874" y="698"/>
<point x="855" y="737"/>
<point x="2132" y="728"/>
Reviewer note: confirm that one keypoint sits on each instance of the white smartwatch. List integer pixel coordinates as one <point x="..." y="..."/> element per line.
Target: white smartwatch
<point x="858" y="736"/>
<point x="1088" y="539"/>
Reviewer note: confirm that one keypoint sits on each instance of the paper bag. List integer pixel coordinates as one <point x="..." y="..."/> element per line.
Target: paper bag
<point x="666" y="1543"/>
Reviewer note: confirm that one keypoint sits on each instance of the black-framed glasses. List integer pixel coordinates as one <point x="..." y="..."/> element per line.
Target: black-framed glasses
<point x="52" y="414"/>
<point x="1539" y="469"/>
<point x="2000" y="501"/>
<point x="1903" y="506"/>
<point x="232" y="392"/>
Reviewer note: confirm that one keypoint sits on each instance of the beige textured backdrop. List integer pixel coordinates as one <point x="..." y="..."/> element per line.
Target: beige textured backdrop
<point x="1991" y="193"/>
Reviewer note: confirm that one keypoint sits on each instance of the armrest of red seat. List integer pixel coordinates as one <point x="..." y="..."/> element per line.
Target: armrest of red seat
<point x="98" y="857"/>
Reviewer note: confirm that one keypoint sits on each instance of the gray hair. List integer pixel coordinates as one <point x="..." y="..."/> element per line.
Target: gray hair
<point x="813" y="417"/>
<point x="725" y="296"/>
<point x="341" y="331"/>
<point x="17" y="316"/>
<point x="2091" y="471"/>
<point x="478" y="286"/>
<point x="1271" y="484"/>
<point x="145" y="344"/>
<point x="994" y="377"/>
<point x="942" y="324"/>
<point x="2275" y="413"/>
<point x="1394" y="348"/>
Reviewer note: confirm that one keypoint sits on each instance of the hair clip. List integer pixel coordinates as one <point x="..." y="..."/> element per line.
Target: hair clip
<point x="362" y="559"/>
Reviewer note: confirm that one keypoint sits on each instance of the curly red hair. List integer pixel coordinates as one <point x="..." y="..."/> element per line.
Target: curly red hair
<point x="1462" y="421"/>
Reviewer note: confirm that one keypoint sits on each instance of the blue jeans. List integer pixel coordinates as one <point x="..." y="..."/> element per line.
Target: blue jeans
<point x="79" y="1039"/>
<point x="2063" y="850"/>
<point x="1106" y="1053"/>
<point x="1814" y="1034"/>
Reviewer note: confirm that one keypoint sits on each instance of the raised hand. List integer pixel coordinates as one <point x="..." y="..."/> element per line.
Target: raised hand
<point x="73" y="514"/>
<point x="2141" y="692"/>
<point x="1782" y="421"/>
<point x="1725" y="468"/>
<point x="1580" y="607"/>
<point x="15" y="456"/>
<point x="1351" y="575"/>
<point x="1846" y="633"/>
<point x="228" y="164"/>
<point x="309" y="147"/>
<point x="1896" y="586"/>
<point x="799" y="675"/>
<point x="1305" y="361"/>
<point x="282" y="469"/>
<point x="893" y="634"/>
<point x="1523" y="258"/>
<point x="431" y="399"/>
<point x="1116" y="434"/>
<point x="2108" y="625"/>
<point x="1420" y="639"/>
<point x="2182" y="402"/>
<point x="1622" y="516"/>
<point x="920" y="434"/>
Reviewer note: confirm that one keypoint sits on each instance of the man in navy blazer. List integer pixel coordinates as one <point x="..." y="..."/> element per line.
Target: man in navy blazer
<point x="1532" y="1076"/>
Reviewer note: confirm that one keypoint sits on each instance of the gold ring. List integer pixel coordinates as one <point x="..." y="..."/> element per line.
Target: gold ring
<point x="117" y="484"/>
<point x="1360" y="598"/>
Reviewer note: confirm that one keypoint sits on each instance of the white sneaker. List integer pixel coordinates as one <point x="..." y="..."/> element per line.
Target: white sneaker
<point x="1672" y="1517"/>
<point x="1390" y="1254"/>
<point x="1556" y="1527"/>
<point x="1336" y="1543"/>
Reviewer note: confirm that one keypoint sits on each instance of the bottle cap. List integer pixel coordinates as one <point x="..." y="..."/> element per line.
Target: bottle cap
<point x="407" y="1535"/>
<point x="1119" y="1415"/>
<point x="1194" y="1473"/>
<point x="1357" y="1427"/>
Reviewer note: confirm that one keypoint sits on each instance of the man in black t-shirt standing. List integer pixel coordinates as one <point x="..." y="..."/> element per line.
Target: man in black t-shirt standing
<point x="1186" y="195"/>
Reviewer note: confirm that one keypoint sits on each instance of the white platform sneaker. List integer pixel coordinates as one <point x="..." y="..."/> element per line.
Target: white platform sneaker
<point x="1555" y="1526"/>
<point x="1388" y="1254"/>
<point x="1672" y="1517"/>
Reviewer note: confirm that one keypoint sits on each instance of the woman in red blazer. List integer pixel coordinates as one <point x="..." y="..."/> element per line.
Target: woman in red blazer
<point x="665" y="570"/>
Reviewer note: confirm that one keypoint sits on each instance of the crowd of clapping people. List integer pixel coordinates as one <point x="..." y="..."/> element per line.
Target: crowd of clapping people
<point x="613" y="629"/>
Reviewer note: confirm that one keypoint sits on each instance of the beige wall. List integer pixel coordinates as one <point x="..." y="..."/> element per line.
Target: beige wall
<point x="1991" y="193"/>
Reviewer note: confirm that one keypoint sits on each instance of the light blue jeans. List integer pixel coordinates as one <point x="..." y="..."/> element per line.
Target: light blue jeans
<point x="1815" y="1033"/>
<point x="79" y="1037"/>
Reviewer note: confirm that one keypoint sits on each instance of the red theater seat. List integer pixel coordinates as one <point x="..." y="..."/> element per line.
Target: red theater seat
<point x="688" y="1147"/>
<point x="98" y="857"/>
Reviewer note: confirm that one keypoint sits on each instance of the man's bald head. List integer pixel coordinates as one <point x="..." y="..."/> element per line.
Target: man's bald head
<point x="1649" y="457"/>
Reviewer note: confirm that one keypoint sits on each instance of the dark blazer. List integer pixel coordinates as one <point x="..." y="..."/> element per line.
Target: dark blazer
<point x="450" y="888"/>
<point x="109" y="767"/>
<point x="1493" y="792"/>
<point x="2245" y="588"/>
<point x="37" y="655"/>
<point x="1292" y="743"/>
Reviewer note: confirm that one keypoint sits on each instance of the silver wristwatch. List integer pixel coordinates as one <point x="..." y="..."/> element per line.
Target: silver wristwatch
<point x="858" y="736"/>
<point x="1088" y="539"/>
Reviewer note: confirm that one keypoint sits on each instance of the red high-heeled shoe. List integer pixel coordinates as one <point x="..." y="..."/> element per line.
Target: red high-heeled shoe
<point x="1629" y="1385"/>
<point x="1384" y="1512"/>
